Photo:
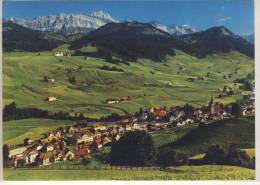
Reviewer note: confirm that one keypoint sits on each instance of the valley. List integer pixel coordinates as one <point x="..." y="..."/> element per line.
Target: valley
<point x="89" y="97"/>
<point x="144" y="81"/>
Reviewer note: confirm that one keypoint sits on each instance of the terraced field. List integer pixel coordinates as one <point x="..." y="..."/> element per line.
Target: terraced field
<point x="144" y="81"/>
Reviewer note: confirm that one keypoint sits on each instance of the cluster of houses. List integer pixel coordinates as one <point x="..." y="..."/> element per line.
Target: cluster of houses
<point x="69" y="143"/>
<point x="76" y="142"/>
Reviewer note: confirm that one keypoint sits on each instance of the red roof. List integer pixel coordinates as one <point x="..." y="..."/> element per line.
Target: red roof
<point x="44" y="156"/>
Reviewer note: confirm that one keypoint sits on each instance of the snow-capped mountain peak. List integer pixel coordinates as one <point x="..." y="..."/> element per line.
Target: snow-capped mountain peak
<point x="67" y="23"/>
<point x="103" y="15"/>
<point x="176" y="29"/>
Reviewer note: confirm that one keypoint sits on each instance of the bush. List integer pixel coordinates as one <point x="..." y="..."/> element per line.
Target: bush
<point x="134" y="149"/>
<point x="169" y="157"/>
<point x="234" y="156"/>
<point x="214" y="155"/>
<point x="238" y="157"/>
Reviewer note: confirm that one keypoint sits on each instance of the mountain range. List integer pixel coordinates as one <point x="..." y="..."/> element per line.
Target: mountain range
<point x="176" y="30"/>
<point x="69" y="24"/>
<point x="127" y="40"/>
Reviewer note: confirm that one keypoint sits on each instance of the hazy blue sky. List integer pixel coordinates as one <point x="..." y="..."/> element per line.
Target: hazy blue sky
<point x="236" y="15"/>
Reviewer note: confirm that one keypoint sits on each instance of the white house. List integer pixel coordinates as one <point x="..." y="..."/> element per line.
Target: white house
<point x="51" y="99"/>
<point x="30" y="158"/>
<point x="58" y="54"/>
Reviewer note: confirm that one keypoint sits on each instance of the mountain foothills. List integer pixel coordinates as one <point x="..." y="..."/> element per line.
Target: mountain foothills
<point x="216" y="40"/>
<point x="16" y="37"/>
<point x="128" y="40"/>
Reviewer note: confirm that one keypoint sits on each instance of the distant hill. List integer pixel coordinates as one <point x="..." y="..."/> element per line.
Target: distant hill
<point x="216" y="40"/>
<point x="16" y="37"/>
<point x="128" y="41"/>
<point x="240" y="131"/>
<point x="131" y="40"/>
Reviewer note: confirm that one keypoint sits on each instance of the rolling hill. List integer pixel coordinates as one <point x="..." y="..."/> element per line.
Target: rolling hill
<point x="216" y="40"/>
<point x="133" y="40"/>
<point x="239" y="131"/>
<point x="130" y="40"/>
<point x="19" y="38"/>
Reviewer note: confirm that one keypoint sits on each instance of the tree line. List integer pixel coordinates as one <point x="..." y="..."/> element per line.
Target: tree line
<point x="12" y="112"/>
<point x="137" y="149"/>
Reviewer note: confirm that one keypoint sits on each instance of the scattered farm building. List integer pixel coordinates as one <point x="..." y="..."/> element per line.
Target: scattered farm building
<point x="51" y="99"/>
<point x="112" y="101"/>
<point x="51" y="80"/>
<point x="125" y="98"/>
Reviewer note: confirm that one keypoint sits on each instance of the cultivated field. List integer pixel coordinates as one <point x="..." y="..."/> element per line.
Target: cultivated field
<point x="144" y="81"/>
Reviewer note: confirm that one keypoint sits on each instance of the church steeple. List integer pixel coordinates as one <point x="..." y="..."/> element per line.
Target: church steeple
<point x="210" y="102"/>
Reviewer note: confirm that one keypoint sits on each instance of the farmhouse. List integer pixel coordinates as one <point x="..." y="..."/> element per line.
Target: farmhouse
<point x="81" y="151"/>
<point x="51" y="80"/>
<point x="191" y="79"/>
<point x="88" y="137"/>
<point x="170" y="84"/>
<point x="125" y="98"/>
<point x="17" y="151"/>
<point x="44" y="159"/>
<point x="99" y="127"/>
<point x="31" y="157"/>
<point x="127" y="127"/>
<point x="112" y="101"/>
<point x="51" y="99"/>
<point x="58" y="54"/>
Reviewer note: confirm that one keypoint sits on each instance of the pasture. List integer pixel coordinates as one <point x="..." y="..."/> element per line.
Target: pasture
<point x="16" y="131"/>
<point x="239" y="131"/>
<point x="206" y="172"/>
<point x="144" y="81"/>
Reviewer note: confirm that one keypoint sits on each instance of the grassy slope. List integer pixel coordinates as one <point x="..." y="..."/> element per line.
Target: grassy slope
<point x="249" y="151"/>
<point x="162" y="137"/>
<point x="23" y="73"/>
<point x="16" y="131"/>
<point x="239" y="131"/>
<point x="179" y="173"/>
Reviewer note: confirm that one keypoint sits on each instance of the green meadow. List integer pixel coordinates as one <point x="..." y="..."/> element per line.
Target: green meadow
<point x="16" y="131"/>
<point x="144" y="81"/>
<point x="239" y="131"/>
<point x="206" y="172"/>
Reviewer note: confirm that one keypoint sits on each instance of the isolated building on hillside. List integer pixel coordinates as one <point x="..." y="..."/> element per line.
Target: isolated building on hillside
<point x="51" y="99"/>
<point x="58" y="54"/>
<point x="112" y="101"/>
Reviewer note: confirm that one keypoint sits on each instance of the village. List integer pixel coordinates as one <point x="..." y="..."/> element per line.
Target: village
<point x="73" y="143"/>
